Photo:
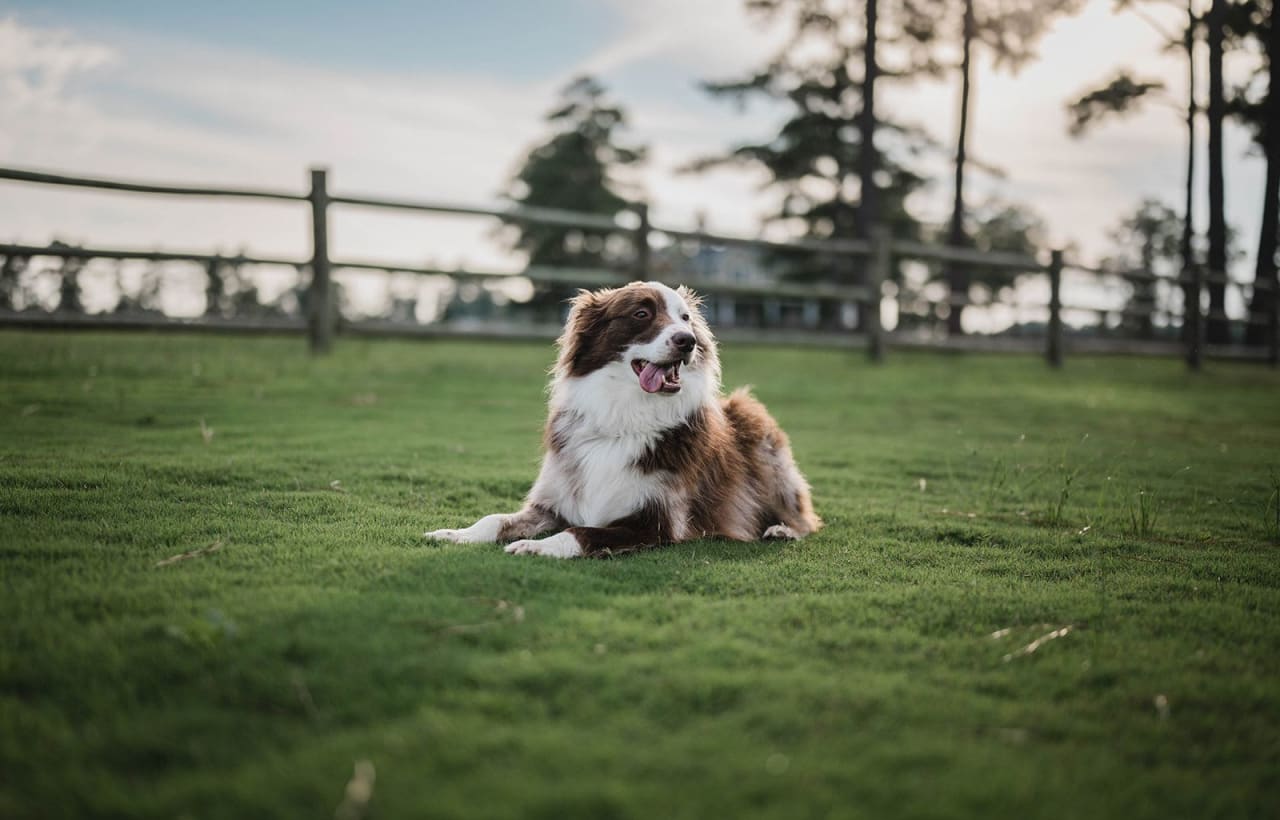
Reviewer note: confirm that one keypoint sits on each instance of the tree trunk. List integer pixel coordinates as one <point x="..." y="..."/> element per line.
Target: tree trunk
<point x="1217" y="330"/>
<point x="868" y="159"/>
<point x="1188" y="220"/>
<point x="845" y="219"/>
<point x="1265" y="281"/>
<point x="1264" y="274"/>
<point x="957" y="275"/>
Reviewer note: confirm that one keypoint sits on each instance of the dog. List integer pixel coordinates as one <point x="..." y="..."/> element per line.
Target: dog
<point x="641" y="449"/>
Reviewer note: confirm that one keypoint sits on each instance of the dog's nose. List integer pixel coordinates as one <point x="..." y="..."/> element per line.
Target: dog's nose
<point x="684" y="342"/>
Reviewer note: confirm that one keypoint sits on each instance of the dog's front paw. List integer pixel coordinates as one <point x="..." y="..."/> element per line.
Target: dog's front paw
<point x="780" y="532"/>
<point x="561" y="545"/>
<point x="456" y="536"/>
<point x="484" y="531"/>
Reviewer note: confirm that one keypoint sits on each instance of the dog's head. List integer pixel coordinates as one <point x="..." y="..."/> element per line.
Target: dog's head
<point x="644" y="333"/>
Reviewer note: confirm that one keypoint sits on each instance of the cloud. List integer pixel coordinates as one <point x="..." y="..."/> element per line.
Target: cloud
<point x="706" y="37"/>
<point x="179" y="112"/>
<point x="35" y="64"/>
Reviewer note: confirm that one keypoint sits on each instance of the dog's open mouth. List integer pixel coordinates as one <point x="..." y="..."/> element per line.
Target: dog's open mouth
<point x="657" y="378"/>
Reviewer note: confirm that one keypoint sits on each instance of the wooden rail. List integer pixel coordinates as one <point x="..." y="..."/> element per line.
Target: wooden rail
<point x="878" y="253"/>
<point x="19" y="175"/>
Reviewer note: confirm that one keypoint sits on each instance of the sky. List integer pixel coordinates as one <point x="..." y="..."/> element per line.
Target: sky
<point x="440" y="101"/>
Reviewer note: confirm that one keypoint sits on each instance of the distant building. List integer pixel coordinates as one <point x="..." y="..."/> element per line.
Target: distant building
<point x="739" y="264"/>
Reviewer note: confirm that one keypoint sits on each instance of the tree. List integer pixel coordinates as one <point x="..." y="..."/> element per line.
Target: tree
<point x="575" y="169"/>
<point x="1257" y="105"/>
<point x="842" y="166"/>
<point x="993" y="225"/>
<point x="1120" y="95"/>
<point x="68" y="273"/>
<point x="1217" y="329"/>
<point x="868" y="159"/>
<point x="999" y="227"/>
<point x="11" y="290"/>
<point x="1009" y="29"/>
<point x="1148" y="240"/>
<point x="1125" y="94"/>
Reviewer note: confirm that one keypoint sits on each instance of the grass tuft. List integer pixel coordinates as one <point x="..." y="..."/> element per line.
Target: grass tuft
<point x="1143" y="514"/>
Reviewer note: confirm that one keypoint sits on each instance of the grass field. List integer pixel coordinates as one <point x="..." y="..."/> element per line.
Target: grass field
<point x="1121" y="512"/>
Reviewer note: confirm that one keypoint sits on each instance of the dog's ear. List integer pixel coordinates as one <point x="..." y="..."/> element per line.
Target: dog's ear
<point x="586" y="308"/>
<point x="586" y="314"/>
<point x="582" y="298"/>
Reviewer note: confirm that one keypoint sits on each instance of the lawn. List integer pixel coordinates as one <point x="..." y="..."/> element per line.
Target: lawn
<point x="1038" y="594"/>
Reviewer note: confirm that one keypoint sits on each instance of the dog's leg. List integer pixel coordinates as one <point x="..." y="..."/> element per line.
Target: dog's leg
<point x="499" y="528"/>
<point x="792" y="504"/>
<point x="644" y="530"/>
<point x="561" y="545"/>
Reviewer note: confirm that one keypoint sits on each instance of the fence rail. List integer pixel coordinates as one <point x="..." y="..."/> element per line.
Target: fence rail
<point x="877" y="255"/>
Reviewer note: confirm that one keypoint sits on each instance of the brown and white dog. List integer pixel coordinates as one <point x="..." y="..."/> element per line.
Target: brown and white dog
<point x="641" y="447"/>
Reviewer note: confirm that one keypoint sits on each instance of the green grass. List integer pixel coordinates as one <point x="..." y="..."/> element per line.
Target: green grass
<point x="854" y="674"/>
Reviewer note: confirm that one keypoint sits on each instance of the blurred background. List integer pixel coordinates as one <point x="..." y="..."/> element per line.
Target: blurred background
<point x="980" y="173"/>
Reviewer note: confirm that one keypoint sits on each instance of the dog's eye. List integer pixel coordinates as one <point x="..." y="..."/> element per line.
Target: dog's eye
<point x="642" y="313"/>
<point x="684" y="317"/>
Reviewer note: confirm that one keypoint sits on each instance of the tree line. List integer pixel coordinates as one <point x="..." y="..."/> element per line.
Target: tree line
<point x="843" y="165"/>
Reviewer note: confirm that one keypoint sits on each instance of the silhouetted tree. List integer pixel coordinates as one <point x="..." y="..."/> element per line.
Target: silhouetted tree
<point x="841" y="166"/>
<point x="215" y="289"/>
<point x="996" y="226"/>
<point x="68" y="273"/>
<point x="1256" y="104"/>
<point x="11" y="271"/>
<point x="1120" y="95"/>
<point x="1009" y="29"/>
<point x="1217" y="330"/>
<point x="575" y="169"/>
<point x="1125" y="94"/>
<point x="1149" y="240"/>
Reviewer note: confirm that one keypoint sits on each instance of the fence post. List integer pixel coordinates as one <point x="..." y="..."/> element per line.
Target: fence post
<point x="1053" y="344"/>
<point x="878" y="272"/>
<point x="1192" y="317"/>
<point x="641" y="240"/>
<point x="321" y="317"/>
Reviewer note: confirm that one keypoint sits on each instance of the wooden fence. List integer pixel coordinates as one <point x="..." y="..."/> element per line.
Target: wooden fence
<point x="876" y="257"/>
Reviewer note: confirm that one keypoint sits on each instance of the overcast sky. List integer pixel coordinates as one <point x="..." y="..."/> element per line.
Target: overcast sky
<point x="439" y="100"/>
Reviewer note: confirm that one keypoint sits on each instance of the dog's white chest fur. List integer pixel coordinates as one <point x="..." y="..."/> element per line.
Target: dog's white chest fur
<point x="593" y="480"/>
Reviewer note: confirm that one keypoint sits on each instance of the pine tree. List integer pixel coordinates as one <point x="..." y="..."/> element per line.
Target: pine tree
<point x="1257" y="105"/>
<point x="576" y="169"/>
<point x="842" y="166"/>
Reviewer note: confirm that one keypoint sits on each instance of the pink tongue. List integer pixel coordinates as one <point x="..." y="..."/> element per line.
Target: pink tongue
<point x="651" y="378"/>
